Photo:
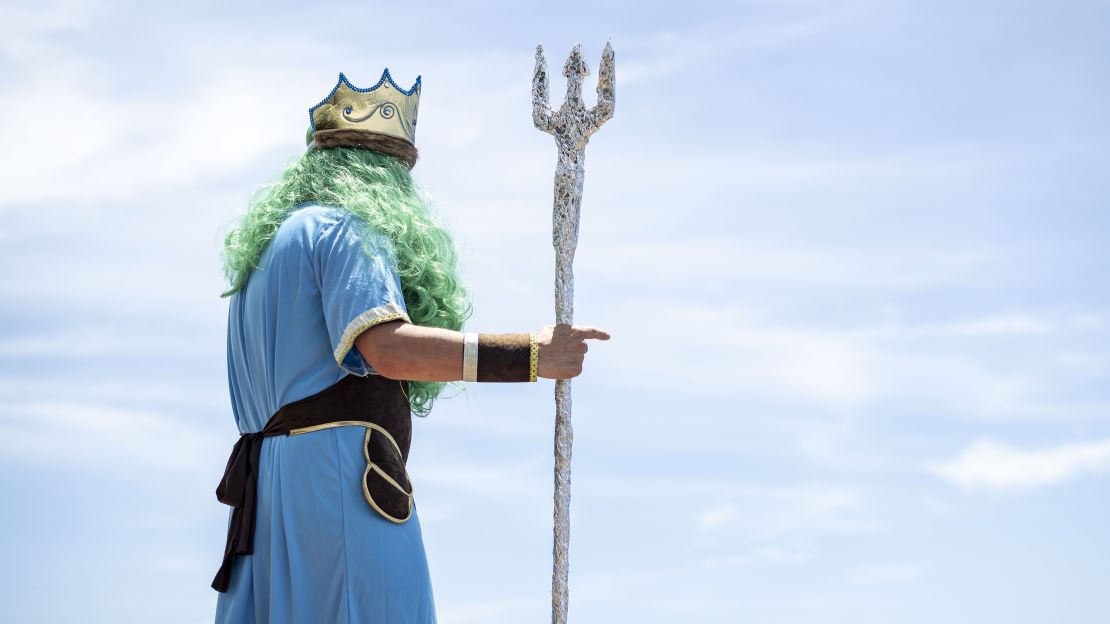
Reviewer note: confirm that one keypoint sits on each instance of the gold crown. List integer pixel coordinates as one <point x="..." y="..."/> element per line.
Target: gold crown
<point x="383" y="110"/>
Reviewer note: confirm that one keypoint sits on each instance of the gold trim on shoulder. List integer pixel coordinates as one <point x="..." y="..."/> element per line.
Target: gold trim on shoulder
<point x="388" y="312"/>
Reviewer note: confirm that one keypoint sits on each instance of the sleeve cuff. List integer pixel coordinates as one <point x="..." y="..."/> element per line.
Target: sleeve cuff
<point x="364" y="321"/>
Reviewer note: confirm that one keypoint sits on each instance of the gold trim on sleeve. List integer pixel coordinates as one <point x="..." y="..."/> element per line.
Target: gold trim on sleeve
<point x="366" y="320"/>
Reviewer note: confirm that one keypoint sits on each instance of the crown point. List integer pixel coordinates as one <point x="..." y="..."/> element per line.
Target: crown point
<point x="334" y="112"/>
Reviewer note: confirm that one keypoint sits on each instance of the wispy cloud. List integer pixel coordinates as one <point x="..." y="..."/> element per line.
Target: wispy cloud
<point x="152" y="140"/>
<point x="713" y="258"/>
<point x="883" y="573"/>
<point x="508" y="609"/>
<point x="788" y="553"/>
<point x="841" y="368"/>
<point x="100" y="341"/>
<point x="670" y="52"/>
<point x="105" y="438"/>
<point x="755" y="509"/>
<point x="990" y="465"/>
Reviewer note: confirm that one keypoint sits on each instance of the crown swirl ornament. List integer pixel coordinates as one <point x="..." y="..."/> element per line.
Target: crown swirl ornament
<point x="382" y="117"/>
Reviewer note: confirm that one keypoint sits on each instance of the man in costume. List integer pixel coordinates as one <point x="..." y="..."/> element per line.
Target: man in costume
<point x="345" y="318"/>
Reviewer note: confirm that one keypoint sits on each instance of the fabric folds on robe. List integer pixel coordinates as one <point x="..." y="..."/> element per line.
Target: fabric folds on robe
<point x="321" y="552"/>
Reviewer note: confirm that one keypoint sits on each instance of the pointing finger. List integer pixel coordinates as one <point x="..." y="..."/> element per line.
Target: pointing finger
<point x="585" y="332"/>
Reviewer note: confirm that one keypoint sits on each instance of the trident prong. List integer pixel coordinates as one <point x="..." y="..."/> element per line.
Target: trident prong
<point x="603" y="110"/>
<point x="572" y="125"/>
<point x="541" y="107"/>
<point x="575" y="70"/>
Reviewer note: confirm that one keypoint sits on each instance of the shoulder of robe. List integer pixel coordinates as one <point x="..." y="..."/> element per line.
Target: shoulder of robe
<point x="306" y="224"/>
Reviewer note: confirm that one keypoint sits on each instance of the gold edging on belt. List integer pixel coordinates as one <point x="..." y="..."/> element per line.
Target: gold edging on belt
<point x="370" y="428"/>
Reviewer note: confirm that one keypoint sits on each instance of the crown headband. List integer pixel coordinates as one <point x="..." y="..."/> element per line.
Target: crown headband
<point x="382" y="118"/>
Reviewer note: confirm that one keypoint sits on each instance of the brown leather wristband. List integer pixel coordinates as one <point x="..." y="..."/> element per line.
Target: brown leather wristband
<point x="504" y="357"/>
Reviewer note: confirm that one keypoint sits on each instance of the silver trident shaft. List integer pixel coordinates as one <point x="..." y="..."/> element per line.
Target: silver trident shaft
<point x="571" y="126"/>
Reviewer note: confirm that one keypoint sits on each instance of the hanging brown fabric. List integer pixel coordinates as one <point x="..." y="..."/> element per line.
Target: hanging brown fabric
<point x="377" y="403"/>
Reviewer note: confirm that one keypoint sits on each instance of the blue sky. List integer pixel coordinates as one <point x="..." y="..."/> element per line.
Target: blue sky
<point x="852" y="256"/>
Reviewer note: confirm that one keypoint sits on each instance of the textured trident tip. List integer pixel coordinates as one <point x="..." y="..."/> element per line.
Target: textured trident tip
<point x="541" y="109"/>
<point x="576" y="65"/>
<point x="606" y="95"/>
<point x="573" y="123"/>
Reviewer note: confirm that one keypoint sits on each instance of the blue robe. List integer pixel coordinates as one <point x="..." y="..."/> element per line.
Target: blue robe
<point x="322" y="554"/>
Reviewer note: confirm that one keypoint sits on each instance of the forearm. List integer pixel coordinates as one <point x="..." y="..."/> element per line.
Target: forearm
<point x="400" y="350"/>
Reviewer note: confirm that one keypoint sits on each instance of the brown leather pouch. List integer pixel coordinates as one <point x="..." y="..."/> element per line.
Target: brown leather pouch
<point x="385" y="483"/>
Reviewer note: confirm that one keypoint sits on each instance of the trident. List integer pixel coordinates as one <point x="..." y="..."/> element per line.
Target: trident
<point x="571" y="126"/>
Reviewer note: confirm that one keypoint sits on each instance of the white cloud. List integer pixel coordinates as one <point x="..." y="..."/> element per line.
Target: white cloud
<point x="1094" y="364"/>
<point x="125" y="148"/>
<point x="493" y="481"/>
<point x="669" y="52"/>
<point x="991" y="465"/>
<point x="706" y="259"/>
<point x="88" y="436"/>
<point x="838" y="368"/>
<point x="102" y="341"/>
<point x="122" y="144"/>
<point x="752" y="510"/>
<point x="509" y="609"/>
<point x="715" y="516"/>
<point x="786" y="553"/>
<point x="995" y="326"/>
<point x="27" y="24"/>
<point x="884" y="572"/>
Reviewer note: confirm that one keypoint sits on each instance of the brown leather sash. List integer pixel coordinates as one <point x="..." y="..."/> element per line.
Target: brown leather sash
<point x="377" y="403"/>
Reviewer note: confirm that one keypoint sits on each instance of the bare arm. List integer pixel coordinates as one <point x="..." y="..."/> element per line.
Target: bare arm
<point x="400" y="350"/>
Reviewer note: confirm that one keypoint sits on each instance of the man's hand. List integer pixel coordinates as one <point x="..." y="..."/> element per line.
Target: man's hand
<point x="401" y="350"/>
<point x="562" y="348"/>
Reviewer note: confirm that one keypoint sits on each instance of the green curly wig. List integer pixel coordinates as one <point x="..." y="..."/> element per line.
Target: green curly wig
<point x="379" y="189"/>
